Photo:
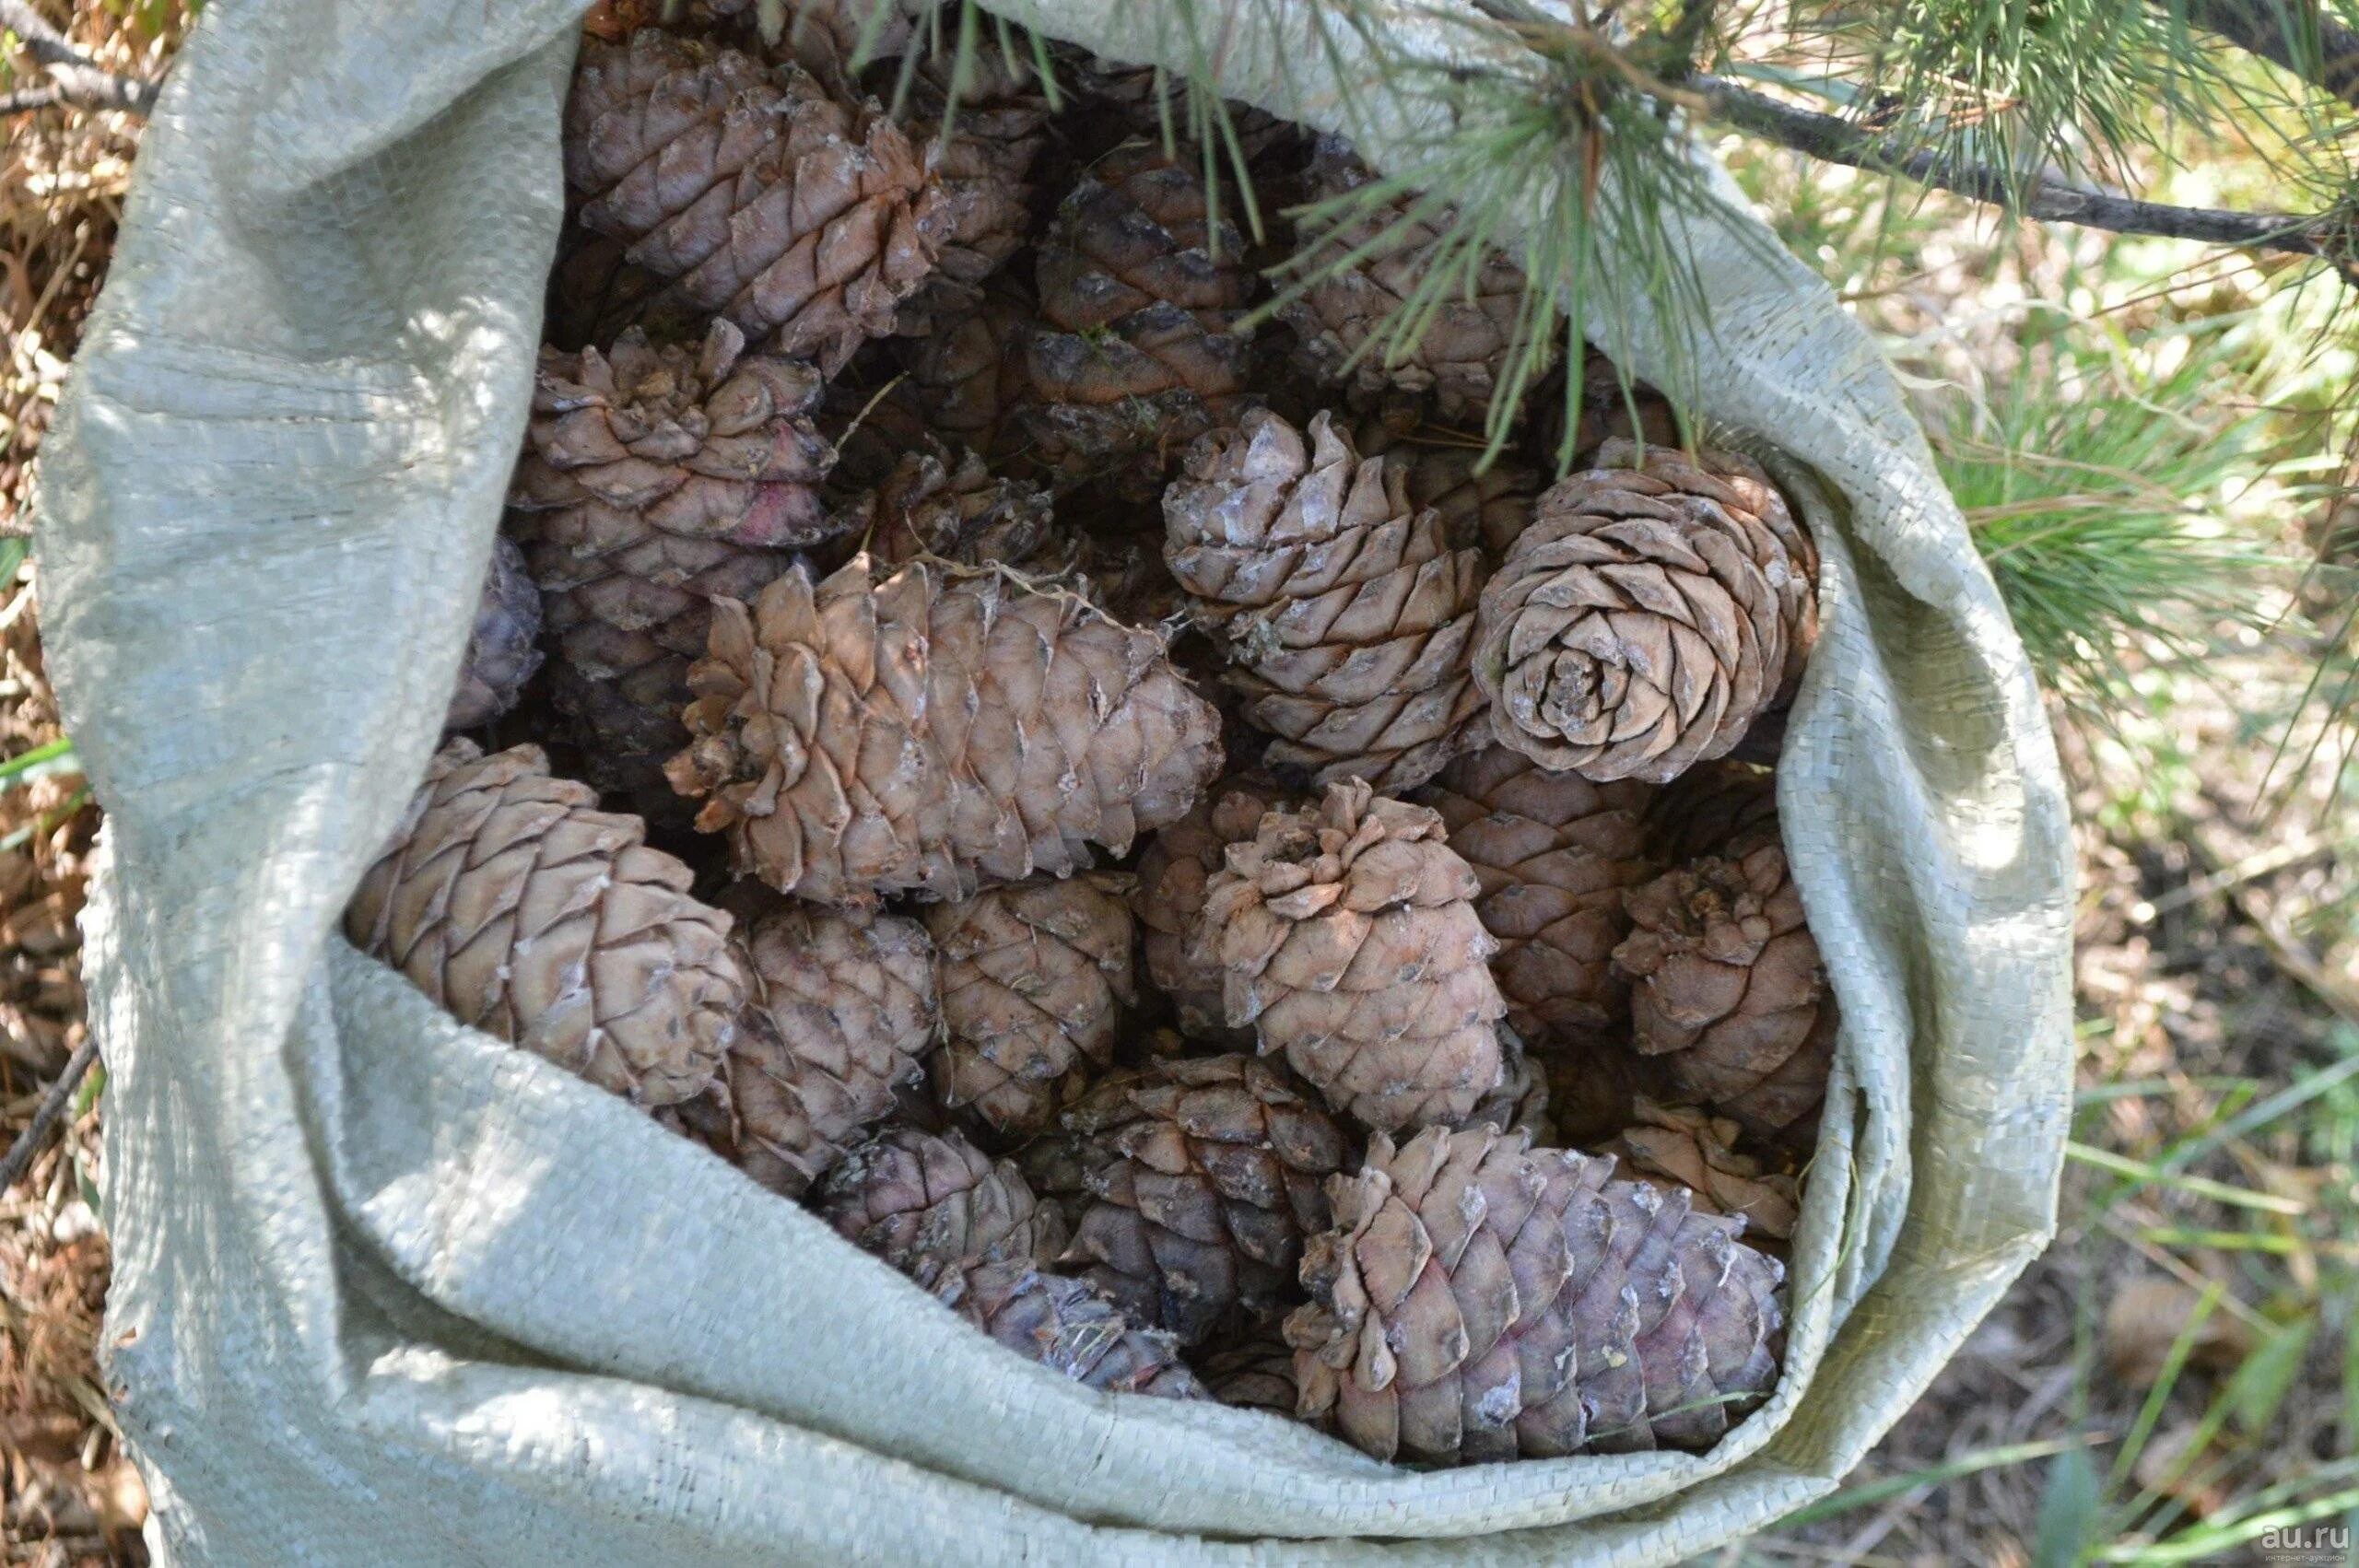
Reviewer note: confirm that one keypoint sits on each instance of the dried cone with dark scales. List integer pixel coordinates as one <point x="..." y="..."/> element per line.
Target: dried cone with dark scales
<point x="1364" y="262"/>
<point x="1035" y="980"/>
<point x="995" y="137"/>
<point x="1142" y="294"/>
<point x="1695" y="1150"/>
<point x="933" y="732"/>
<point x="500" y="656"/>
<point x="1724" y="808"/>
<point x="1255" y="1373"/>
<point x="1208" y="1174"/>
<point x="1348" y="615"/>
<point x="1445" y="470"/>
<point x="771" y="202"/>
<point x="1175" y="875"/>
<point x="968" y="379"/>
<point x="524" y="911"/>
<point x="1348" y="939"/>
<point x="948" y="506"/>
<point x="843" y="1014"/>
<point x="1728" y="990"/>
<point x="1554" y="853"/>
<point x="915" y="1199"/>
<point x="1479" y="1299"/>
<point x="653" y="480"/>
<point x="1650" y="614"/>
<point x="1064" y="1326"/>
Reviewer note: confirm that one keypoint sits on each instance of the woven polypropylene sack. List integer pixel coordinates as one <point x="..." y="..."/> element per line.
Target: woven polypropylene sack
<point x="388" y="1292"/>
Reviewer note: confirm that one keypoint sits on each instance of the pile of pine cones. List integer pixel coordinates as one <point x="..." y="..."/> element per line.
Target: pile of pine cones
<point x="1107" y="800"/>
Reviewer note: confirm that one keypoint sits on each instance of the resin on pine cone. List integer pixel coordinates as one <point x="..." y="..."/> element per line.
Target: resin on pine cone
<point x="1064" y="1326"/>
<point x="933" y="732"/>
<point x="1647" y="616"/>
<point x="1348" y="938"/>
<point x="1554" y="852"/>
<point x="1035" y="979"/>
<point x="772" y="202"/>
<point x="1142" y="294"/>
<point x="1481" y="1300"/>
<point x="524" y="910"/>
<point x="915" y="1198"/>
<point x="1694" y="1150"/>
<point x="500" y="656"/>
<point x="1728" y="989"/>
<point x="1175" y="873"/>
<point x="1347" y="615"/>
<point x="1366" y="262"/>
<point x="843" y="1014"/>
<point x="1207" y="1173"/>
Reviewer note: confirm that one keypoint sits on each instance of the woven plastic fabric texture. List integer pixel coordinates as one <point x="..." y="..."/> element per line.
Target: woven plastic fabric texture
<point x="390" y="1293"/>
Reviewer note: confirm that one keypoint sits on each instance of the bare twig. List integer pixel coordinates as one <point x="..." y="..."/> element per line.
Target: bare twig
<point x="2288" y="33"/>
<point x="76" y="80"/>
<point x="53" y="1105"/>
<point x="2045" y="197"/>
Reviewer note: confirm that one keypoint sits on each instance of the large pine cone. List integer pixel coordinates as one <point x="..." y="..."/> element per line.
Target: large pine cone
<point x="1350" y="941"/>
<point x="915" y="1199"/>
<point x="500" y="656"/>
<point x="1480" y="1300"/>
<point x="1143" y="294"/>
<point x="1647" y="616"/>
<point x="1348" y="321"/>
<point x="1680" y="1146"/>
<point x="771" y="202"/>
<point x="843" y="1014"/>
<point x="509" y="898"/>
<point x="1554" y="853"/>
<point x="1035" y="979"/>
<point x="933" y="732"/>
<point x="1728" y="989"/>
<point x="1348" y="615"/>
<point x="1175" y="872"/>
<point x="653" y="480"/>
<point x="1065" y="1326"/>
<point x="946" y="505"/>
<point x="1207" y="1176"/>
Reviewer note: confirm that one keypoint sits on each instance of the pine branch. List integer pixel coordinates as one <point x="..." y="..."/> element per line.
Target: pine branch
<point x="2043" y="197"/>
<point x="76" y="81"/>
<point x="2315" y="47"/>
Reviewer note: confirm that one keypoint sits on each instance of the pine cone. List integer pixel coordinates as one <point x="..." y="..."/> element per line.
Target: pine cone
<point x="1174" y="874"/>
<point x="1206" y="1174"/>
<point x="1553" y="852"/>
<point x="651" y="481"/>
<point x="1256" y="1373"/>
<point x="948" y="506"/>
<point x="969" y="380"/>
<point x="914" y="1199"/>
<point x="1348" y="615"/>
<point x="515" y="903"/>
<point x="1724" y="808"/>
<point x="843" y="1014"/>
<point x="1143" y="294"/>
<point x="1444" y="471"/>
<point x="996" y="134"/>
<point x="1480" y="1300"/>
<point x="931" y="732"/>
<point x="1729" y="989"/>
<point x="826" y="36"/>
<point x="772" y="203"/>
<point x="500" y="656"/>
<point x="1065" y="1326"/>
<point x="1034" y="981"/>
<point x="1685" y="1147"/>
<point x="1648" y="615"/>
<point x="1349" y="938"/>
<point x="1346" y="320"/>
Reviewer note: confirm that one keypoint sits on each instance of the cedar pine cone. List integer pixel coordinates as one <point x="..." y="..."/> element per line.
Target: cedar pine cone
<point x="1728" y="989"/>
<point x="1481" y="1300"/>
<point x="509" y="898"/>
<point x="1348" y="615"/>
<point x="996" y="134"/>
<point x="771" y="202"/>
<point x="1142" y="293"/>
<point x="1256" y="1373"/>
<point x="1444" y="470"/>
<point x="1680" y="1146"/>
<point x="1349" y="939"/>
<point x="1034" y="978"/>
<point x="948" y="506"/>
<point x="1175" y="871"/>
<point x="1207" y="1173"/>
<point x="932" y="731"/>
<point x="1647" y="616"/>
<point x="1725" y="808"/>
<point x="915" y="1199"/>
<point x="969" y="377"/>
<point x="1064" y="1326"/>
<point x="1553" y="852"/>
<point x="500" y="656"/>
<point x="1520" y="1102"/>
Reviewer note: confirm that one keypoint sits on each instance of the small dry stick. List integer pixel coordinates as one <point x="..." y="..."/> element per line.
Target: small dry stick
<point x="53" y="1105"/>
